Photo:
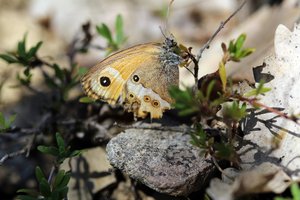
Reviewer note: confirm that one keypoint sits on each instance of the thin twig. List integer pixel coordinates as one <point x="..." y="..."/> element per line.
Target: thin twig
<point x="13" y="154"/>
<point x="196" y="59"/>
<point x="29" y="145"/>
<point x="97" y="47"/>
<point x="220" y="169"/>
<point x="18" y="132"/>
<point x="33" y="90"/>
<point x="51" y="174"/>
<point x="221" y="26"/>
<point x="255" y="103"/>
<point x="26" y="150"/>
<point x="217" y="164"/>
<point x="189" y="70"/>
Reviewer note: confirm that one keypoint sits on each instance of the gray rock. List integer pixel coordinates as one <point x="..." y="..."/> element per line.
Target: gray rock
<point x="164" y="161"/>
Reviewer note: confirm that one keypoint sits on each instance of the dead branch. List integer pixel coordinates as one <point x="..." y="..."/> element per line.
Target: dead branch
<point x="206" y="45"/>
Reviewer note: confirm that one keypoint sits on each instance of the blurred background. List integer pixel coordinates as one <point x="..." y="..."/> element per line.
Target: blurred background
<point x="57" y="23"/>
<point x="192" y="22"/>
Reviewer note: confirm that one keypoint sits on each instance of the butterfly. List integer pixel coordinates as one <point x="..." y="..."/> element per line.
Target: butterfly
<point x="138" y="78"/>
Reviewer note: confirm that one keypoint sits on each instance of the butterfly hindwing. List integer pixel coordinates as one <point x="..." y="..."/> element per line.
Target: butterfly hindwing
<point x="146" y="91"/>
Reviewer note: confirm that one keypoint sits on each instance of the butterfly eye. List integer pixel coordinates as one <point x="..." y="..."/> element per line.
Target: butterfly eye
<point x="155" y="104"/>
<point x="136" y="78"/>
<point x="147" y="98"/>
<point x="104" y="81"/>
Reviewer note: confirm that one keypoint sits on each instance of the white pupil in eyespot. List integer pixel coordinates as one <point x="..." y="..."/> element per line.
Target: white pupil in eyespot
<point x="136" y="78"/>
<point x="104" y="81"/>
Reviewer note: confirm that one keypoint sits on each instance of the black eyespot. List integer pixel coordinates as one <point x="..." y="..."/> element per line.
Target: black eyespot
<point x="104" y="81"/>
<point x="136" y="78"/>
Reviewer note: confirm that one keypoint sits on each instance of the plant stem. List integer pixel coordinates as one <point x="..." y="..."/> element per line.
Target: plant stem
<point x="51" y="174"/>
<point x="221" y="26"/>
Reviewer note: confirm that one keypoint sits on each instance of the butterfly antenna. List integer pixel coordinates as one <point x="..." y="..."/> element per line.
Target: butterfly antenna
<point x="166" y="26"/>
<point x="162" y="32"/>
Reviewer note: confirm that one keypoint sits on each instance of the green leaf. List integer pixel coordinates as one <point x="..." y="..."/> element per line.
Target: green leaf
<point x="9" y="59"/>
<point x="26" y="197"/>
<point x="235" y="58"/>
<point x="231" y="47"/>
<point x="81" y="71"/>
<point x="184" y="100"/>
<point x="31" y="192"/>
<point x="251" y="93"/>
<point x="224" y="151"/>
<point x="247" y="52"/>
<point x="188" y="111"/>
<point x="51" y="82"/>
<point x="257" y="91"/>
<point x="22" y="47"/>
<point x="235" y="111"/>
<point x="64" y="182"/>
<point x="181" y="95"/>
<point x="223" y="76"/>
<point x="2" y="120"/>
<point x="60" y="143"/>
<point x="59" y="73"/>
<point x="104" y="31"/>
<point x="59" y="177"/>
<point x="206" y="197"/>
<point x="55" y="195"/>
<point x="11" y="119"/>
<point x="86" y="100"/>
<point x="48" y="150"/>
<point x="32" y="52"/>
<point x="261" y="89"/>
<point x="75" y="153"/>
<point x="210" y="88"/>
<point x="64" y="192"/>
<point x="26" y="71"/>
<point x="199" y="137"/>
<point x="119" y="30"/>
<point x="295" y="191"/>
<point x="240" y="42"/>
<point x="39" y="174"/>
<point x="45" y="188"/>
<point x="24" y="81"/>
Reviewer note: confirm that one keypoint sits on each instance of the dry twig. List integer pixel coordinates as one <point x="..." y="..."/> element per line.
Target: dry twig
<point x="206" y="45"/>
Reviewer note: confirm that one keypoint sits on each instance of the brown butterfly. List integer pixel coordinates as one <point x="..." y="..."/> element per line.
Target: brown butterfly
<point x="138" y="77"/>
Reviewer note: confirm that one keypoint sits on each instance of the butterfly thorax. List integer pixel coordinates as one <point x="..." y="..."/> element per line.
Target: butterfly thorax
<point x="170" y="54"/>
